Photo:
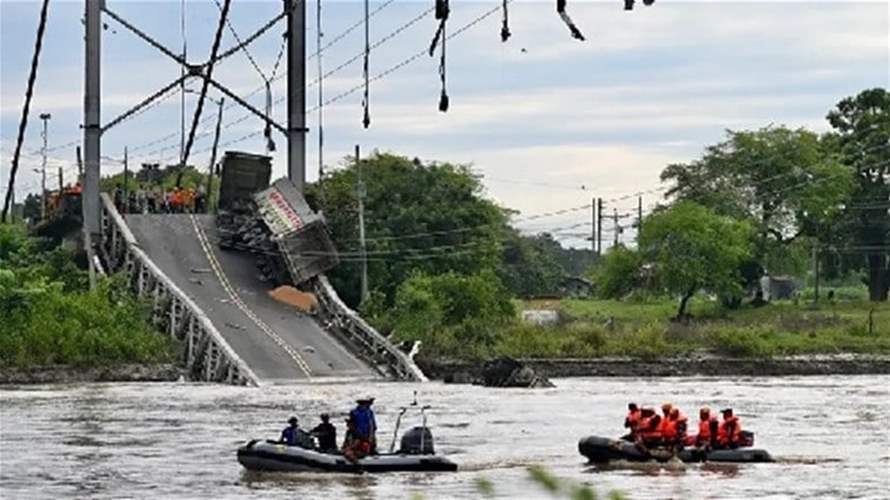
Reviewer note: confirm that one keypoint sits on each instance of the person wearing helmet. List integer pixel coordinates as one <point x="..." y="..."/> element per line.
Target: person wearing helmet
<point x="730" y="430"/>
<point x="364" y="429"/>
<point x="326" y="434"/>
<point x="675" y="432"/>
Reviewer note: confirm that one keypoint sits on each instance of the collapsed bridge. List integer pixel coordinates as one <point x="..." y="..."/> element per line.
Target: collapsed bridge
<point x="244" y="289"/>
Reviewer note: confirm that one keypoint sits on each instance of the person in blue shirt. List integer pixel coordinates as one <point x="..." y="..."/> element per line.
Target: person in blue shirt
<point x="292" y="435"/>
<point x="364" y="430"/>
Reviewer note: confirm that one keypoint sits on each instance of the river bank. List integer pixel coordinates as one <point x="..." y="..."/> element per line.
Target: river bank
<point x="703" y="365"/>
<point x="65" y="374"/>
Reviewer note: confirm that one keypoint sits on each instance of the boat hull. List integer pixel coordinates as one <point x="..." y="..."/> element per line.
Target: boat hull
<point x="266" y="456"/>
<point x="600" y="449"/>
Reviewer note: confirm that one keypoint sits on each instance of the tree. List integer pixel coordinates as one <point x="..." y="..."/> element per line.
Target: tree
<point x="452" y="313"/>
<point x="618" y="273"/>
<point x="863" y="125"/>
<point x="692" y="248"/>
<point x="531" y="264"/>
<point x="418" y="217"/>
<point x="787" y="183"/>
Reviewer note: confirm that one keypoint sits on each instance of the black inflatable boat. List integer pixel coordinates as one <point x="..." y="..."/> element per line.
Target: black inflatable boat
<point x="599" y="449"/>
<point x="416" y="453"/>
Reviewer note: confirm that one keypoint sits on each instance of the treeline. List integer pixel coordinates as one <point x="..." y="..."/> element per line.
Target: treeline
<point x="49" y="316"/>
<point x="771" y="201"/>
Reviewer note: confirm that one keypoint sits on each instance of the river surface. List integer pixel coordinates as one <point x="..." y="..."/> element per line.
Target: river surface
<point x="177" y="440"/>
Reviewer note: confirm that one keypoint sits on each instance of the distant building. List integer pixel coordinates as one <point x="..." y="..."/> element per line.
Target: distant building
<point x="778" y="287"/>
<point x="575" y="287"/>
<point x="540" y="316"/>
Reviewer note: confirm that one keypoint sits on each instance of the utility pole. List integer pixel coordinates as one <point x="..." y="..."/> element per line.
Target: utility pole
<point x="92" y="128"/>
<point x="296" y="93"/>
<point x="593" y="225"/>
<point x="45" y="117"/>
<point x="61" y="182"/>
<point x="360" y="194"/>
<point x="213" y="152"/>
<point x="126" y="201"/>
<point x="639" y="218"/>
<point x="79" y="165"/>
<point x="615" y="225"/>
<point x="599" y="226"/>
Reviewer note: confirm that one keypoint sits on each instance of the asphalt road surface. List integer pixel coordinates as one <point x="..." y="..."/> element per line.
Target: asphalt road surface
<point x="278" y="342"/>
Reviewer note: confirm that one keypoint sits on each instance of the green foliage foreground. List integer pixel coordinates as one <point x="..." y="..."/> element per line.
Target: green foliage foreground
<point x="49" y="317"/>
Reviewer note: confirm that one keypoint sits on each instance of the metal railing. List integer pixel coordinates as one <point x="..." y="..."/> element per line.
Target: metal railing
<point x="369" y="344"/>
<point x="206" y="354"/>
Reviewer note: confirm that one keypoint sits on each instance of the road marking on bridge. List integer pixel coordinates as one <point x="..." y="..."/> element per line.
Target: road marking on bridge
<point x="236" y="299"/>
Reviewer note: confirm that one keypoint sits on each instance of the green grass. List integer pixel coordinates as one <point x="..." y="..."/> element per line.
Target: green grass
<point x="595" y="328"/>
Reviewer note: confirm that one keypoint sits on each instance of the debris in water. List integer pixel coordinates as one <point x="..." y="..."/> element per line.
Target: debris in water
<point x="233" y="325"/>
<point x="201" y="270"/>
<point x="196" y="281"/>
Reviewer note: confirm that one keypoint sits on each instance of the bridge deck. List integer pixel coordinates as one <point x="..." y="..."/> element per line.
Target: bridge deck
<point x="276" y="341"/>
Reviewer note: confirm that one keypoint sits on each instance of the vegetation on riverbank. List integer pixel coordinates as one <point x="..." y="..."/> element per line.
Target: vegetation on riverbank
<point x="50" y="317"/>
<point x="598" y="328"/>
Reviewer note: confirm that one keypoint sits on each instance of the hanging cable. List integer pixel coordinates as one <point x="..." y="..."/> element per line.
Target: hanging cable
<point x="41" y="28"/>
<point x="366" y="119"/>
<point x="561" y="9"/>
<point x="505" y="27"/>
<point x="442" y="12"/>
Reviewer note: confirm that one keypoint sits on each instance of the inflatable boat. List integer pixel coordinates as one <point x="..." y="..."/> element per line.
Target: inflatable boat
<point x="600" y="449"/>
<point x="273" y="456"/>
<point x="416" y="453"/>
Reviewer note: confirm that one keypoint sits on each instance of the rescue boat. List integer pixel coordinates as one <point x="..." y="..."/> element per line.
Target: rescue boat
<point x="416" y="453"/>
<point x="601" y="449"/>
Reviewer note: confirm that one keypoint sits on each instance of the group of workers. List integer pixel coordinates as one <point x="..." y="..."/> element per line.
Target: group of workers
<point x="648" y="429"/>
<point x="360" y="439"/>
<point x="178" y="200"/>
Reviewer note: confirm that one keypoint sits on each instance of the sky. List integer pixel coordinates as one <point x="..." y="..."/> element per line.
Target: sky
<point x="547" y="121"/>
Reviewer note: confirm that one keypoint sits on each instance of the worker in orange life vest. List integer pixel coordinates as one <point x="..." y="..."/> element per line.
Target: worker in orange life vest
<point x="674" y="432"/>
<point x="730" y="430"/>
<point x="707" y="430"/>
<point x="632" y="422"/>
<point x="650" y="429"/>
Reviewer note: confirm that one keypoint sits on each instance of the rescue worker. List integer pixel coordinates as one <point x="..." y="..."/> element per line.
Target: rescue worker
<point x="326" y="434"/>
<point x="730" y="430"/>
<point x="292" y="435"/>
<point x="707" y="429"/>
<point x="665" y="421"/>
<point x="675" y="432"/>
<point x="632" y="422"/>
<point x="365" y="433"/>
<point x="649" y="431"/>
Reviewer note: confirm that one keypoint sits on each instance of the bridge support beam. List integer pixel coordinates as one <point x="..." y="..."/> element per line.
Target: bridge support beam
<point x="296" y="92"/>
<point x="92" y="128"/>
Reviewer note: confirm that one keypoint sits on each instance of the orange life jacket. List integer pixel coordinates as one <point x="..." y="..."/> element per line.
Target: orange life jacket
<point x="650" y="428"/>
<point x="633" y="420"/>
<point x="674" y="428"/>
<point x="725" y="436"/>
<point x="704" y="428"/>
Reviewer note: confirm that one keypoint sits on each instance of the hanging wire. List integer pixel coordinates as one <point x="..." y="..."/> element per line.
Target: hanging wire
<point x="505" y="27"/>
<point x="366" y="119"/>
<point x="442" y="12"/>
<point x="561" y="9"/>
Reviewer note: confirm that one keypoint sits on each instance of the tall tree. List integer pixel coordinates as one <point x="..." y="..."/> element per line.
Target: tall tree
<point x="787" y="183"/>
<point x="863" y="125"/>
<point x="429" y="218"/>
<point x="692" y="248"/>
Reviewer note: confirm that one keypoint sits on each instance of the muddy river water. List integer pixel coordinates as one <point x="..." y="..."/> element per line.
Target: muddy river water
<point x="831" y="436"/>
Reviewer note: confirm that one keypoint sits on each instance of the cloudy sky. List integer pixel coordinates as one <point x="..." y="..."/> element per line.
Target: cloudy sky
<point x="549" y="122"/>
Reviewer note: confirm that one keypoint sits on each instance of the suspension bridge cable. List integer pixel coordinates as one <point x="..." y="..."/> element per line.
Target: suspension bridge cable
<point x="23" y="123"/>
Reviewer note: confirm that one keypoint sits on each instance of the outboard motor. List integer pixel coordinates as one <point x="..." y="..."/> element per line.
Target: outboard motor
<point x="417" y="441"/>
<point x="746" y="439"/>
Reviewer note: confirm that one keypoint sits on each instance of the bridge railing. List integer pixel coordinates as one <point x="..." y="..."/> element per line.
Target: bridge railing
<point x="370" y="345"/>
<point x="206" y="353"/>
